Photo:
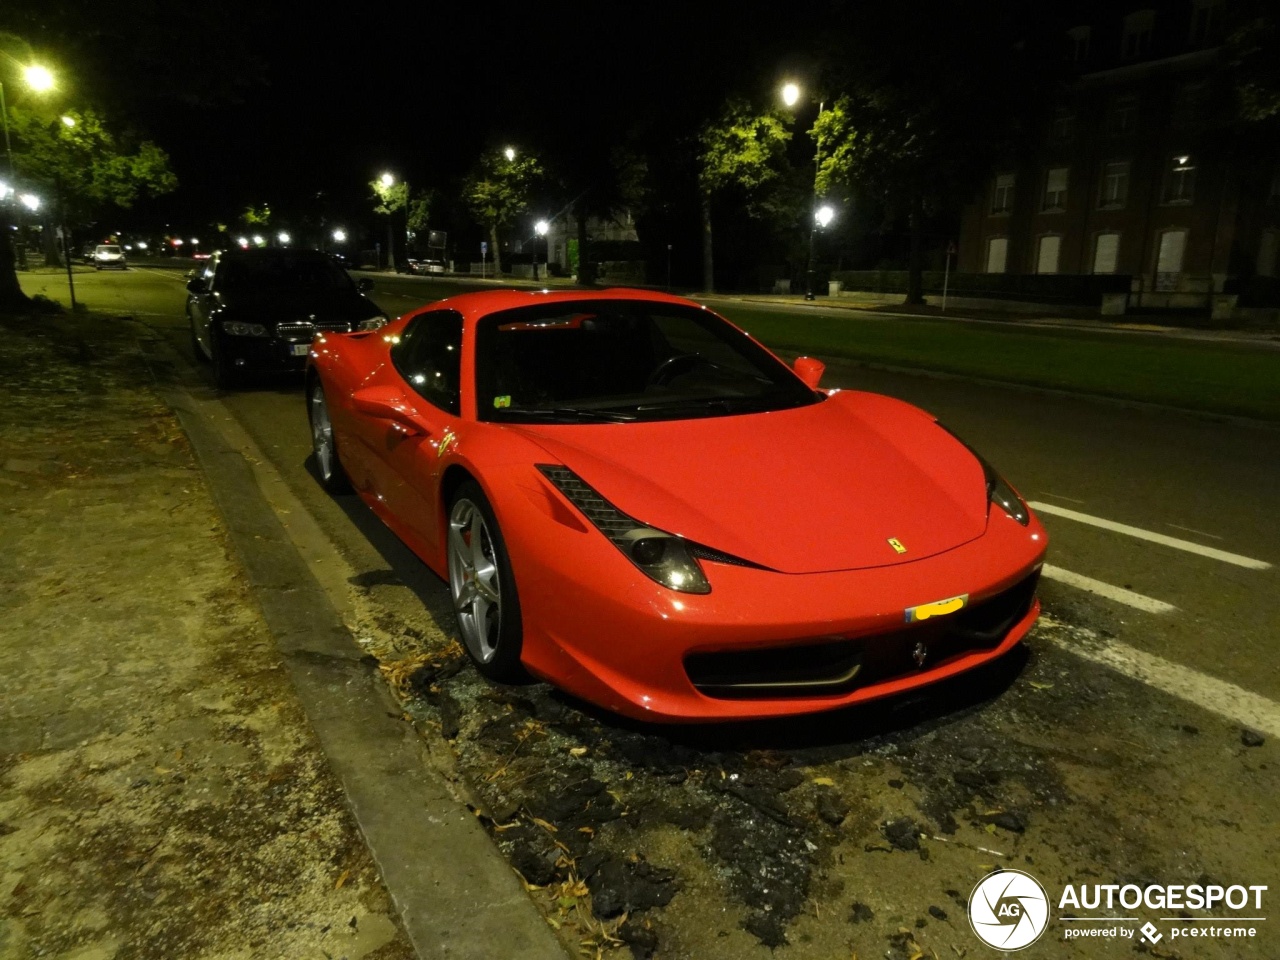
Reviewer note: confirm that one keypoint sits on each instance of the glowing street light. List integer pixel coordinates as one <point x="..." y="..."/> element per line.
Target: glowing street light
<point x="258" y="240"/>
<point x="68" y="122"/>
<point x="387" y="180"/>
<point x="283" y="237"/>
<point x="824" y="216"/>
<point x="38" y="78"/>
<point x="242" y="243"/>
<point x="339" y="236"/>
<point x="790" y="94"/>
<point x="30" y="201"/>
<point x="509" y="153"/>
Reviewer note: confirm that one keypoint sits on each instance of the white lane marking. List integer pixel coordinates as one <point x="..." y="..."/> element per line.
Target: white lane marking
<point x="1118" y="594"/>
<point x="1198" y="533"/>
<point x="1058" y="496"/>
<point x="1211" y="552"/>
<point x="1243" y="706"/>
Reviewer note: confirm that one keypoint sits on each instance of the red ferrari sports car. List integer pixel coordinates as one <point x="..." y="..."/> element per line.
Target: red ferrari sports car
<point x="634" y="500"/>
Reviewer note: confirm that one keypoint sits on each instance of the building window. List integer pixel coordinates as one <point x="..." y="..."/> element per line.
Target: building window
<point x="1064" y="125"/>
<point x="1106" y="252"/>
<point x="1267" y="250"/>
<point x="1002" y="194"/>
<point x="1078" y="44"/>
<point x="1055" y="189"/>
<point x="1205" y="15"/>
<point x="1180" y="180"/>
<point x="997" y="254"/>
<point x="1138" y="27"/>
<point x="1113" y="191"/>
<point x="1188" y="106"/>
<point x="1173" y="244"/>
<point x="1047" y="253"/>
<point x="1122" y="114"/>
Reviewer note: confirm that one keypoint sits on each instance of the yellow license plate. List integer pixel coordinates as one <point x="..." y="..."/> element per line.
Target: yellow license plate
<point x="938" y="608"/>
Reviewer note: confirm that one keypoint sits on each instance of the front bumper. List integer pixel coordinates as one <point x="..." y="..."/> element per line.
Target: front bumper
<point x="601" y="630"/>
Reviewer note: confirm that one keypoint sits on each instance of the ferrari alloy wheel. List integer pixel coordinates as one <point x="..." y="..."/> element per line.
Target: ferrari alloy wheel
<point x="483" y="591"/>
<point x="332" y="477"/>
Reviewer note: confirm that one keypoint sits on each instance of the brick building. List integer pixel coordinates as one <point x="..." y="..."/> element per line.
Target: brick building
<point x="1130" y="173"/>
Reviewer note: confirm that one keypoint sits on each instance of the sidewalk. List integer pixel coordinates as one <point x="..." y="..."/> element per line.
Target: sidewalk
<point x="161" y="792"/>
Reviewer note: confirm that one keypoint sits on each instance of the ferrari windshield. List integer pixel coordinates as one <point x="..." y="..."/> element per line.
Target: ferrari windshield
<point x="619" y="360"/>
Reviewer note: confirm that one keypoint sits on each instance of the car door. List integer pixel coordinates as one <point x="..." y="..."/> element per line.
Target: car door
<point x="426" y="372"/>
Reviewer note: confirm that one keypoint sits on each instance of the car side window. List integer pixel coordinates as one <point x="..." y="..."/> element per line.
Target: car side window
<point x="429" y="357"/>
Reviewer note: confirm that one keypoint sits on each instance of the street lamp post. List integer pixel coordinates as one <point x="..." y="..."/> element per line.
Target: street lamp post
<point x="39" y="79"/>
<point x="790" y="96"/>
<point x="540" y="228"/>
<point x="388" y="181"/>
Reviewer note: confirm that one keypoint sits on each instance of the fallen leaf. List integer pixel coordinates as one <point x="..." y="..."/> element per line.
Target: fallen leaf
<point x="342" y="879"/>
<point x="824" y="781"/>
<point x="577" y="751"/>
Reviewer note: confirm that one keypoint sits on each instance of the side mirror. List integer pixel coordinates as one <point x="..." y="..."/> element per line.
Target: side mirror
<point x="195" y="285"/>
<point x="364" y="284"/>
<point x="809" y="370"/>
<point x="387" y="403"/>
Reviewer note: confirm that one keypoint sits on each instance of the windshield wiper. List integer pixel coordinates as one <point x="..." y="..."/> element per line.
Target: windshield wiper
<point x="566" y="415"/>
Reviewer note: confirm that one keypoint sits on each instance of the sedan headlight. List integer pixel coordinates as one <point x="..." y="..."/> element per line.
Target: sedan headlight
<point x="238" y="329"/>
<point x="661" y="556"/>
<point x="373" y="323"/>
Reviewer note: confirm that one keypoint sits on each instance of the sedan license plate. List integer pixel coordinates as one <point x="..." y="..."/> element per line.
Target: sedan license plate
<point x="300" y="349"/>
<point x="936" y="609"/>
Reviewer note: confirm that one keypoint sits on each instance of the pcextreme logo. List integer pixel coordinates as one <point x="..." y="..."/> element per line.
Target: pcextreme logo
<point x="1008" y="910"/>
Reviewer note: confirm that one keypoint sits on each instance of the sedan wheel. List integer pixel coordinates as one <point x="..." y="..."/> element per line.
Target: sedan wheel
<point x="483" y="590"/>
<point x="332" y="477"/>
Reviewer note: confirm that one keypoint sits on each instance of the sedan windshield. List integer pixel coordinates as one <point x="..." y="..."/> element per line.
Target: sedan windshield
<point x="282" y="274"/>
<point x="613" y="360"/>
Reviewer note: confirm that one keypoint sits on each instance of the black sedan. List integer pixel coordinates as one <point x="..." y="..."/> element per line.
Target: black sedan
<point x="258" y="310"/>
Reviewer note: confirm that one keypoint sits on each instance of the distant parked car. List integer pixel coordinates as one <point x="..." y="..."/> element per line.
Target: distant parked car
<point x="259" y="310"/>
<point x="426" y="266"/>
<point x="87" y="252"/>
<point x="109" y="255"/>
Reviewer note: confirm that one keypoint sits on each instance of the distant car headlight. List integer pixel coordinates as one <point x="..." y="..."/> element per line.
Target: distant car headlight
<point x="373" y="323"/>
<point x="238" y="329"/>
<point x="661" y="556"/>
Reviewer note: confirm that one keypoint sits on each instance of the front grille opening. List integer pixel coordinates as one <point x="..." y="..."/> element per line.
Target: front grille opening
<point x="805" y="670"/>
<point x="839" y="665"/>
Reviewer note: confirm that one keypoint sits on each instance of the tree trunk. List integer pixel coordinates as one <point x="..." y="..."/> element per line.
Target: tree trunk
<point x="708" y="266"/>
<point x="915" y="266"/>
<point x="493" y="243"/>
<point x="586" y="269"/>
<point x="11" y="295"/>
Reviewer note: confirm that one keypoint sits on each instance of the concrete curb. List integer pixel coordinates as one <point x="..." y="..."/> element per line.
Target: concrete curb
<point x="457" y="896"/>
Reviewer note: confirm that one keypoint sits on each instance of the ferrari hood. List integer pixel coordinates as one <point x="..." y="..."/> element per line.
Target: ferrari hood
<point x="859" y="480"/>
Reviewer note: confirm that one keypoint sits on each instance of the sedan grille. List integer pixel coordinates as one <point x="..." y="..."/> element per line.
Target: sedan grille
<point x="306" y="329"/>
<point x="839" y="665"/>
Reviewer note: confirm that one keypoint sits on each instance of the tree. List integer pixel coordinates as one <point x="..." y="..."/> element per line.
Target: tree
<point x="740" y="149"/>
<point x="921" y="130"/>
<point x="498" y="190"/>
<point x="84" y="165"/>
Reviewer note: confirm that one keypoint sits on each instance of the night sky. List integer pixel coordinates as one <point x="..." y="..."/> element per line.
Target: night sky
<point x="420" y="89"/>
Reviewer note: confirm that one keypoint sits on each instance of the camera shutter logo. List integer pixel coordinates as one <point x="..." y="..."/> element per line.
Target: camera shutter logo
<point x="1008" y="910"/>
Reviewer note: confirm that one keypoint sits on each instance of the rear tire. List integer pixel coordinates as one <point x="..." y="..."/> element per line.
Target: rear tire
<point x="323" y="443"/>
<point x="483" y="588"/>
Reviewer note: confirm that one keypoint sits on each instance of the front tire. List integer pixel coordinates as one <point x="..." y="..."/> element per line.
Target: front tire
<point x="483" y="588"/>
<point x="323" y="443"/>
<point x="200" y="355"/>
<point x="225" y="375"/>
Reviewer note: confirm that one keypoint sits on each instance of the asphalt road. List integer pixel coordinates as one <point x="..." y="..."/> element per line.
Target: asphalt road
<point x="1128" y="781"/>
<point x="1094" y="467"/>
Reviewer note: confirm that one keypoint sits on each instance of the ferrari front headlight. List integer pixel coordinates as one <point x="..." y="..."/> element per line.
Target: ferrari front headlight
<point x="1001" y="494"/>
<point x="373" y="323"/>
<point x="661" y="556"/>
